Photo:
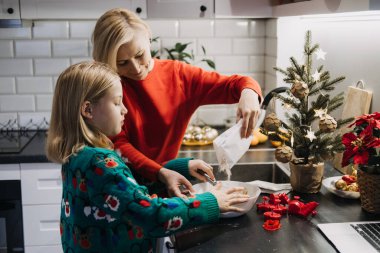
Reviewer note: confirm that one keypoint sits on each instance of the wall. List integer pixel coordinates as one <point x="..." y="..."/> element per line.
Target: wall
<point x="31" y="59"/>
<point x="350" y="40"/>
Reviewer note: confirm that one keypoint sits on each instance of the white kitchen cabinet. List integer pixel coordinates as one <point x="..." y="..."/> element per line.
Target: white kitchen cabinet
<point x="41" y="183"/>
<point x="180" y="9"/>
<point x="76" y="9"/>
<point x="324" y="7"/>
<point x="41" y="225"/>
<point x="9" y="9"/>
<point x="41" y="191"/>
<point x="44" y="249"/>
<point x="243" y="8"/>
<point x="10" y="172"/>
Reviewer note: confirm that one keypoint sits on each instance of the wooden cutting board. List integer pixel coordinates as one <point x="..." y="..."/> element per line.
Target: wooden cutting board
<point x="357" y="102"/>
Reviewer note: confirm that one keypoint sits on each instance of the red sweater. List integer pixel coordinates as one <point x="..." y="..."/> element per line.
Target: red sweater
<point x="161" y="105"/>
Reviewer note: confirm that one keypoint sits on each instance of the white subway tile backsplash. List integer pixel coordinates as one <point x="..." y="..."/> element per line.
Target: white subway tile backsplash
<point x="213" y="114"/>
<point x="16" y="67"/>
<point x="256" y="63"/>
<point x="51" y="29"/>
<point x="6" y="48"/>
<point x="232" y="63"/>
<point x="231" y="28"/>
<point x="248" y="46"/>
<point x="16" y="103"/>
<point x="80" y="59"/>
<point x="34" y="120"/>
<point x="32" y="58"/>
<point x="36" y="48"/>
<point x="50" y="66"/>
<point x="164" y="28"/>
<point x="270" y="63"/>
<point x="70" y="48"/>
<point x="7" y="85"/>
<point x="271" y="47"/>
<point x="8" y="121"/>
<point x="44" y="103"/>
<point x="271" y="28"/>
<point x="196" y="28"/>
<point x="257" y="28"/>
<point x="34" y="85"/>
<point x="16" y="33"/>
<point x="81" y="29"/>
<point x="215" y="46"/>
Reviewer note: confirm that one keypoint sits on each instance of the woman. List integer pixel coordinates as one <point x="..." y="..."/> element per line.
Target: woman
<point x="161" y="96"/>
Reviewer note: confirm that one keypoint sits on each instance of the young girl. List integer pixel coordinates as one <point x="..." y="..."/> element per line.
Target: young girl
<point x="103" y="208"/>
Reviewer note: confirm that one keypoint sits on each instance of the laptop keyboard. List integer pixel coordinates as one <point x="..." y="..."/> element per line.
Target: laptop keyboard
<point x="370" y="232"/>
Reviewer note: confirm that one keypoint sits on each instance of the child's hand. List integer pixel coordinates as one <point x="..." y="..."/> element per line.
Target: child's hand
<point x="194" y="165"/>
<point x="173" y="180"/>
<point x="227" y="199"/>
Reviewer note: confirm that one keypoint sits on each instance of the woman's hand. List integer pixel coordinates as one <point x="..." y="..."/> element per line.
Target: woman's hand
<point x="194" y="165"/>
<point x="173" y="180"/>
<point x="249" y="110"/>
<point x="227" y="200"/>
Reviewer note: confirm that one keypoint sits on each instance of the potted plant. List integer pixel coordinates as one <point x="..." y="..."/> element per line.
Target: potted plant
<point x="363" y="150"/>
<point x="306" y="145"/>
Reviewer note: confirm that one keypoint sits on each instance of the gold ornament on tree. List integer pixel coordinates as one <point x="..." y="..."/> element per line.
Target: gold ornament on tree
<point x="271" y="122"/>
<point x="299" y="89"/>
<point x="327" y="124"/>
<point x="283" y="154"/>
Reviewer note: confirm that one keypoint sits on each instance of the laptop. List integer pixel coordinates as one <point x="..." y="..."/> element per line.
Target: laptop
<point x="353" y="237"/>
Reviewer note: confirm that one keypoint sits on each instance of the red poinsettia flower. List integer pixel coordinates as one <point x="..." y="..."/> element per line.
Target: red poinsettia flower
<point x="362" y="142"/>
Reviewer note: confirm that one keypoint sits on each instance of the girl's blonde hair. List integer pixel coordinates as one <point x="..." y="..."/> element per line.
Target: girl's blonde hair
<point x="69" y="131"/>
<point x="113" y="29"/>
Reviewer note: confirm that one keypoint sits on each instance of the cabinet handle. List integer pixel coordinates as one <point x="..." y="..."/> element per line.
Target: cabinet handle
<point x="138" y="10"/>
<point x="10" y="10"/>
<point x="203" y="8"/>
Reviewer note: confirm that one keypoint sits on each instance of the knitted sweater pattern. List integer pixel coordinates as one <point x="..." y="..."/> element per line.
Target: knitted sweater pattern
<point x="103" y="209"/>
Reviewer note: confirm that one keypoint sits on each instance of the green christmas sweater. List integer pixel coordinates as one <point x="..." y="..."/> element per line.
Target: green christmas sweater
<point x="104" y="210"/>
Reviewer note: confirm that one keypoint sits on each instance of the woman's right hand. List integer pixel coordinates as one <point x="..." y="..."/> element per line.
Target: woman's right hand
<point x="227" y="199"/>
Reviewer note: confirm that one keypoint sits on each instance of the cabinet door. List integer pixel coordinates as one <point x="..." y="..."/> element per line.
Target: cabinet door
<point x="41" y="183"/>
<point x="243" y="8"/>
<point x="180" y="8"/>
<point x="44" y="249"/>
<point x="41" y="225"/>
<point x="76" y="9"/>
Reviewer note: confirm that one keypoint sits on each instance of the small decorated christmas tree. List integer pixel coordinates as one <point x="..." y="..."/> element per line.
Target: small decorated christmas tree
<point x="310" y="136"/>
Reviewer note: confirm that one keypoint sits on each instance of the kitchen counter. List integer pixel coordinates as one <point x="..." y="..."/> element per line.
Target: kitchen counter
<point x="246" y="234"/>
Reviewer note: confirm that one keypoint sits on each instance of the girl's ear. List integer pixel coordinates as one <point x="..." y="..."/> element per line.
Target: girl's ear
<point x="86" y="110"/>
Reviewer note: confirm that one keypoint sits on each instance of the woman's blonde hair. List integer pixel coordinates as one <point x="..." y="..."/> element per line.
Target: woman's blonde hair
<point x="113" y="29"/>
<point x="69" y="131"/>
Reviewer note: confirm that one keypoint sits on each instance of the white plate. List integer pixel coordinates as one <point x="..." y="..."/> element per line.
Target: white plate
<point x="253" y="192"/>
<point x="329" y="184"/>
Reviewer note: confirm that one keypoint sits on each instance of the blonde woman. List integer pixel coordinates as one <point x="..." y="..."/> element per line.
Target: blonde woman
<point x="103" y="208"/>
<point x="161" y="96"/>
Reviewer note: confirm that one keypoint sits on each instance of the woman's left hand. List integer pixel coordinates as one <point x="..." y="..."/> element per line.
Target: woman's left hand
<point x="248" y="110"/>
<point x="194" y="165"/>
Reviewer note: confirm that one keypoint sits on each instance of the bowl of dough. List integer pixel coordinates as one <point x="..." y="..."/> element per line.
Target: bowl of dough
<point x="252" y="190"/>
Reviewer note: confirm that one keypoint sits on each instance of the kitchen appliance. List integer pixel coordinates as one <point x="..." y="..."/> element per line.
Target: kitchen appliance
<point x="11" y="226"/>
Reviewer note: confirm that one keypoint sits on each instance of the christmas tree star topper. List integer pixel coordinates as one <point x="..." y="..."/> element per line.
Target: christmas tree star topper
<point x="320" y="54"/>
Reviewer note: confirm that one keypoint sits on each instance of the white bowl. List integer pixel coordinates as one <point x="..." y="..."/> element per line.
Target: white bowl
<point x="253" y="192"/>
<point x="329" y="184"/>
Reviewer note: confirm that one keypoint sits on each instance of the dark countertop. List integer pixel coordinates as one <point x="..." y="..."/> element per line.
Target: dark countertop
<point x="246" y="234"/>
<point x="33" y="152"/>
